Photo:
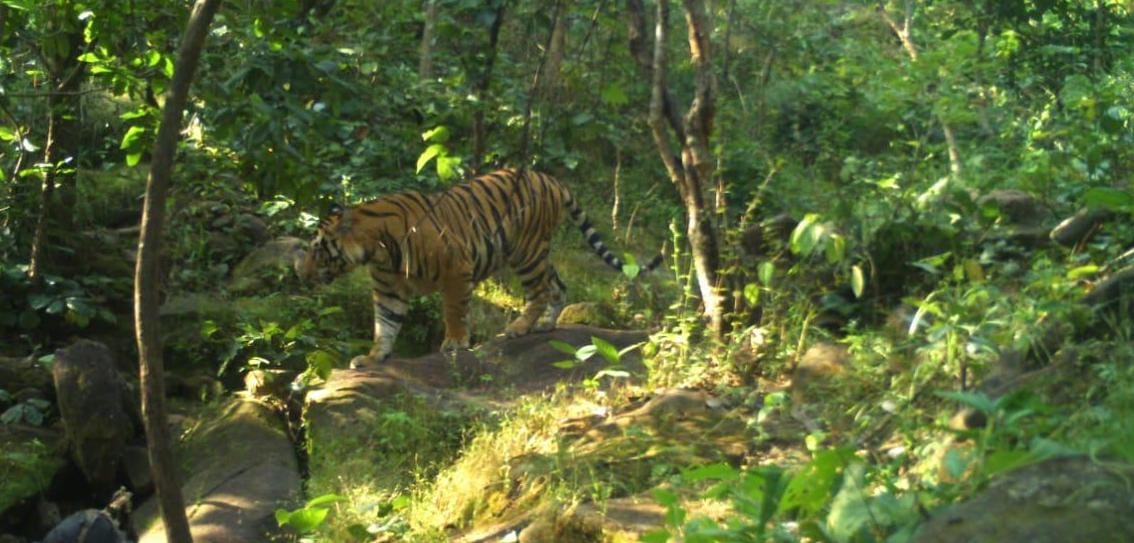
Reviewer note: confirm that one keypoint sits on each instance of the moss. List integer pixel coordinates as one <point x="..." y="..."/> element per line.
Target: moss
<point x="26" y="469"/>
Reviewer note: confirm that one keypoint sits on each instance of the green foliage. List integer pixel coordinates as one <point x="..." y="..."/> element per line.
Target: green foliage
<point x="54" y="303"/>
<point x="26" y="468"/>
<point x="610" y="354"/>
<point x="306" y="520"/>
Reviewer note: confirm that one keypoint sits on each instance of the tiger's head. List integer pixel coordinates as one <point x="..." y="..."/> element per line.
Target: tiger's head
<point x="328" y="256"/>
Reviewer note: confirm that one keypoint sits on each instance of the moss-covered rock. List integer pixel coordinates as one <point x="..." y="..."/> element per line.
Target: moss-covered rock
<point x="1057" y="501"/>
<point x="238" y="467"/>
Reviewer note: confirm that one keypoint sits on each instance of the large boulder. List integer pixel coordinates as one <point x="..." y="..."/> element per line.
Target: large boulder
<point x="92" y="401"/>
<point x="237" y="469"/>
<point x="266" y="264"/>
<point x="1022" y="217"/>
<point x="1056" y="501"/>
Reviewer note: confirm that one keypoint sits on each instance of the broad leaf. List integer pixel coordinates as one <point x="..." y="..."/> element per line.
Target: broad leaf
<point x="428" y="154"/>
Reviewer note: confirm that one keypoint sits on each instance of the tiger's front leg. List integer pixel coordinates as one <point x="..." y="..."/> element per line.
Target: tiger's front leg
<point x="455" y="297"/>
<point x="390" y="310"/>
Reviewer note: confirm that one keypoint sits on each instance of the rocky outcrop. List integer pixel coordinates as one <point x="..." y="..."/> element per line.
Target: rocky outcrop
<point x="93" y="405"/>
<point x="274" y="259"/>
<point x="239" y="467"/>
<point x="1056" y="501"/>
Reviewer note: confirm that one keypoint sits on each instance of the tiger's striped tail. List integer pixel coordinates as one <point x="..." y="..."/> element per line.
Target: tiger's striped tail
<point x="579" y="219"/>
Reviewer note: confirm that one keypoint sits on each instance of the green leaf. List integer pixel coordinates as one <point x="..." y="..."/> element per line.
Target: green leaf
<point x="655" y="536"/>
<point x="56" y="307"/>
<point x="1109" y="198"/>
<point x="752" y="293"/>
<point x="613" y="95"/>
<point x="1082" y="271"/>
<point x="1002" y="461"/>
<point x="308" y="519"/>
<point x="40" y="301"/>
<point x="858" y="281"/>
<point x="630" y="267"/>
<point x="133" y="137"/>
<point x="665" y="497"/>
<point x="132" y="159"/>
<point x="7" y="134"/>
<point x="428" y="154"/>
<point x="836" y="249"/>
<point x="811" y="487"/>
<point x="606" y="349"/>
<point x="767" y="273"/>
<point x="325" y="499"/>
<point x="850" y="511"/>
<point x="716" y="472"/>
<point x="448" y="167"/>
<point x="804" y="237"/>
<point x="566" y="364"/>
<point x="562" y="346"/>
<point x="439" y="134"/>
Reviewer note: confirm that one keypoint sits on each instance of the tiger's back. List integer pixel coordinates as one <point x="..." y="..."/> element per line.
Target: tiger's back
<point x="415" y="243"/>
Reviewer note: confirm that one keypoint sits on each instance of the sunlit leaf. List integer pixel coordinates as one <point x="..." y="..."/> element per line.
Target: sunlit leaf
<point x="858" y="281"/>
<point x="605" y="349"/>
<point x="562" y="346"/>
<point x="428" y="154"/>
<point x="439" y="134"/>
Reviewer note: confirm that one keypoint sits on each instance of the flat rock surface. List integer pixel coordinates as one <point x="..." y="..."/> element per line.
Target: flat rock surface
<point x="239" y="467"/>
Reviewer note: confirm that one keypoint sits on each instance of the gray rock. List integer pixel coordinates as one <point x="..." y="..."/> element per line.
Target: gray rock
<point x="238" y="468"/>
<point x="91" y="398"/>
<point x="276" y="258"/>
<point x="1057" y="501"/>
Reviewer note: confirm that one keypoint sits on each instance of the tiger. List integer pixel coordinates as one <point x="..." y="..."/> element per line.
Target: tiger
<point x="415" y="243"/>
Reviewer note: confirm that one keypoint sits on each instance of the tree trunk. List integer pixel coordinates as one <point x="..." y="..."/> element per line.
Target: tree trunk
<point x="146" y="320"/>
<point x="557" y="43"/>
<point x="60" y="151"/>
<point x="692" y="171"/>
<point x="480" y="132"/>
<point x="425" y="50"/>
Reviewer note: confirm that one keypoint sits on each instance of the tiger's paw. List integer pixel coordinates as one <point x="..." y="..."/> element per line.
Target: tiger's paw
<point x="363" y="361"/>
<point x="450" y="344"/>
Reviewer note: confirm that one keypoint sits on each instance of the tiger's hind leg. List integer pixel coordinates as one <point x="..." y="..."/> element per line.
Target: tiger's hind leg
<point x="539" y="281"/>
<point x="557" y="300"/>
<point x="455" y="304"/>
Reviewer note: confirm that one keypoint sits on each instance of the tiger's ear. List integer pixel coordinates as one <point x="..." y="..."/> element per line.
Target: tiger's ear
<point x="335" y="210"/>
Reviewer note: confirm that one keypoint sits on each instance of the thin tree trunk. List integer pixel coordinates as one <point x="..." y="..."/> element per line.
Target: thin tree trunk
<point x="555" y="49"/>
<point x="60" y="151"/>
<point x="425" y="51"/>
<point x="146" y="320"/>
<point x="693" y="171"/>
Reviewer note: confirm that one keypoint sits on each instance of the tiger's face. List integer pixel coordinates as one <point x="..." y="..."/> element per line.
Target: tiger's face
<point x="325" y="259"/>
